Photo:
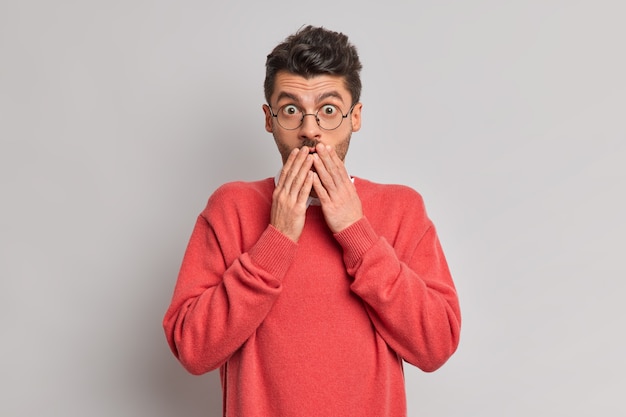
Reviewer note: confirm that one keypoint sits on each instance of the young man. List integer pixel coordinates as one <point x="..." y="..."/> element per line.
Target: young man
<point x="309" y="290"/>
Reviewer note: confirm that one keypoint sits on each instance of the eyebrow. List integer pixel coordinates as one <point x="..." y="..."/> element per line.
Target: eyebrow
<point x="323" y="96"/>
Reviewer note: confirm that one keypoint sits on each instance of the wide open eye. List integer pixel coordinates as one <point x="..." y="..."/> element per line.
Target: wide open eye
<point x="290" y="110"/>
<point x="328" y="110"/>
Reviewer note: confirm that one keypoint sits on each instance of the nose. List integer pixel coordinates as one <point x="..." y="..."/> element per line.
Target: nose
<point x="309" y="128"/>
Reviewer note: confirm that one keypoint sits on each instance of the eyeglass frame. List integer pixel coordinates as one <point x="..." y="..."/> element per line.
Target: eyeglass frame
<point x="317" y="120"/>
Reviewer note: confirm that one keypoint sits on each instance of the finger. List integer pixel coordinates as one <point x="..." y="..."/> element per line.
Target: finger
<point x="286" y="168"/>
<point x="319" y="188"/>
<point x="305" y="191"/>
<point x="293" y="171"/>
<point x="337" y="166"/>
<point x="302" y="174"/>
<point x="330" y="168"/>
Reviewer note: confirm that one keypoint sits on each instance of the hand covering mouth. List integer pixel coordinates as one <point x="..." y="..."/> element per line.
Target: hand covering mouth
<point x="311" y="144"/>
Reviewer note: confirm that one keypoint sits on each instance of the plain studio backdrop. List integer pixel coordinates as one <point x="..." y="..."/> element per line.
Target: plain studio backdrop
<point x="119" y="118"/>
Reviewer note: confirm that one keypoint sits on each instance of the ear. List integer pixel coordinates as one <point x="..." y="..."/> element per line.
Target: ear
<point x="355" y="117"/>
<point x="269" y="120"/>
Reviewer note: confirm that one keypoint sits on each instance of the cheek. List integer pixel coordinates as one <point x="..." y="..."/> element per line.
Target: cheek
<point x="287" y="138"/>
<point x="342" y="148"/>
<point x="283" y="148"/>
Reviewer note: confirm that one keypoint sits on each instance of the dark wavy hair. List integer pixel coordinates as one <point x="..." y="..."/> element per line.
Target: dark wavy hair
<point x="315" y="51"/>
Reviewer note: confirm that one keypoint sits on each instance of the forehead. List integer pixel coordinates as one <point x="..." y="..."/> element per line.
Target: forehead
<point x="309" y="90"/>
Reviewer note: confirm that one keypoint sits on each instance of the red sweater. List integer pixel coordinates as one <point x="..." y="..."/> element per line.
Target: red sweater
<point x="317" y="328"/>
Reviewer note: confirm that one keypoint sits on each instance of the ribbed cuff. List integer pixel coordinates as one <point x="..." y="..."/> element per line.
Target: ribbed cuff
<point x="274" y="252"/>
<point x="355" y="240"/>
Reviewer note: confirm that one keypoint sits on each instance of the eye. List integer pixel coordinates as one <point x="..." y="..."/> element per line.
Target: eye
<point x="328" y="110"/>
<point x="290" y="110"/>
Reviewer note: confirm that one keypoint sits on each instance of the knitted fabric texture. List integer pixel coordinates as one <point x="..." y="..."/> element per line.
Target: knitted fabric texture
<point x="320" y="327"/>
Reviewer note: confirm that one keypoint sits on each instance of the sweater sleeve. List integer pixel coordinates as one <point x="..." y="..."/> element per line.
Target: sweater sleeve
<point x="412" y="302"/>
<point x="222" y="296"/>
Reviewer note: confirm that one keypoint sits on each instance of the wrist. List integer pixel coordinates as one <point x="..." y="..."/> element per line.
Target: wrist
<point x="355" y="240"/>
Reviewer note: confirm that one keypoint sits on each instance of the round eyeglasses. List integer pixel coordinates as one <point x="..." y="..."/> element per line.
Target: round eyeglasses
<point x="328" y="117"/>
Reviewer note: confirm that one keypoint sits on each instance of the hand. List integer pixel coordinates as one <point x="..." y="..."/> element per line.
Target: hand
<point x="291" y="193"/>
<point x="341" y="204"/>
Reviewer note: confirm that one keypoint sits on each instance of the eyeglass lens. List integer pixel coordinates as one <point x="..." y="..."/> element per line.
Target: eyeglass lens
<point x="328" y="117"/>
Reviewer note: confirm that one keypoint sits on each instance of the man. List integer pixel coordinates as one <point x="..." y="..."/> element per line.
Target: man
<point x="309" y="290"/>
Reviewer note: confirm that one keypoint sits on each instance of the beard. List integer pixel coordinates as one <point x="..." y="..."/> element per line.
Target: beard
<point x="341" y="148"/>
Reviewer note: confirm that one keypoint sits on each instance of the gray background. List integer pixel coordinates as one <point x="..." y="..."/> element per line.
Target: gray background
<point x="119" y="118"/>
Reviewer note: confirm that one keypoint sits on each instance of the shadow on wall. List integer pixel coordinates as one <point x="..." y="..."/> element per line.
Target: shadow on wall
<point x="155" y="381"/>
<point x="178" y="393"/>
<point x="169" y="389"/>
<point x="220" y="156"/>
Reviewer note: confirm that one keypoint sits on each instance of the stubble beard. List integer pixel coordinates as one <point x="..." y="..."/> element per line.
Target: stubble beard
<point x="341" y="149"/>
